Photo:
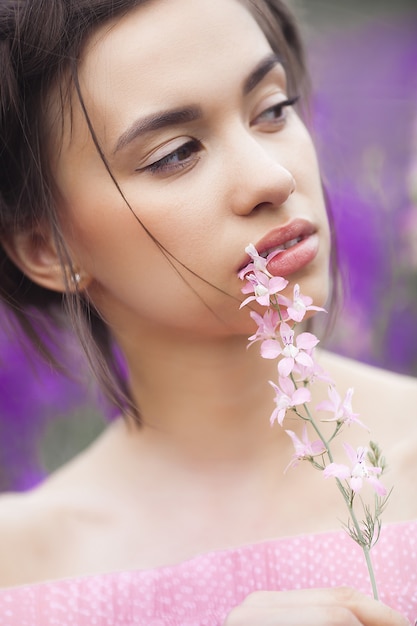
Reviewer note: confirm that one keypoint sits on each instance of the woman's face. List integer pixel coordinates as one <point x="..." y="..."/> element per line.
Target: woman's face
<point x="189" y="106"/>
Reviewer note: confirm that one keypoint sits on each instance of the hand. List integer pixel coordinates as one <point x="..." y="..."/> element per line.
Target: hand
<point x="340" y="606"/>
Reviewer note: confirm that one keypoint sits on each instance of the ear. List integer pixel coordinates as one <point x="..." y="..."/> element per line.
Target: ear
<point x="36" y="256"/>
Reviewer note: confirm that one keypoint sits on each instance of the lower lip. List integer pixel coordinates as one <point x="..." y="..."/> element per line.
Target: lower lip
<point x="295" y="258"/>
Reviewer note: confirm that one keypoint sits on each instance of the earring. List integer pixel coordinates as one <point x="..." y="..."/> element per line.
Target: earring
<point x="77" y="278"/>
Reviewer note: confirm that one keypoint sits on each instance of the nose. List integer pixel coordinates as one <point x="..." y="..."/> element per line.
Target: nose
<point x="257" y="177"/>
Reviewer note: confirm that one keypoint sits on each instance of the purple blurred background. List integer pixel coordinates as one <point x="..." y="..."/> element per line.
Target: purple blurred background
<point x="365" y="105"/>
<point x="364" y="70"/>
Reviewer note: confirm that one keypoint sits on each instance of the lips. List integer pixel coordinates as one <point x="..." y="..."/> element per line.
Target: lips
<point x="297" y="243"/>
<point x="282" y="247"/>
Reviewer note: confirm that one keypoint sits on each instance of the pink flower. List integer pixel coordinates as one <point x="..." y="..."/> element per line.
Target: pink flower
<point x="298" y="307"/>
<point x="257" y="262"/>
<point x="297" y="369"/>
<point x="287" y="397"/>
<point x="263" y="287"/>
<point x="267" y="325"/>
<point x="309" y="375"/>
<point x="342" y="410"/>
<point x="304" y="448"/>
<point x="359" y="471"/>
<point x="291" y="354"/>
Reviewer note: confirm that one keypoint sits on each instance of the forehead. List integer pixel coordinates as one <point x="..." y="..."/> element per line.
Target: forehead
<point x="180" y="27"/>
<point x="166" y="50"/>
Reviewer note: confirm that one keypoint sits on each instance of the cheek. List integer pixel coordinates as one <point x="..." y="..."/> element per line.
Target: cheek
<point x="183" y="218"/>
<point x="129" y="269"/>
<point x="100" y="225"/>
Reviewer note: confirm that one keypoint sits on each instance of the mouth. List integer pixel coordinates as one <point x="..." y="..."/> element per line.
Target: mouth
<point x="281" y="247"/>
<point x="295" y="244"/>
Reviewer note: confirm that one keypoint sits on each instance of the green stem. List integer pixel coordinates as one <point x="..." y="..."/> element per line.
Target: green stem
<point x="365" y="548"/>
<point x="346" y="498"/>
<point x="371" y="573"/>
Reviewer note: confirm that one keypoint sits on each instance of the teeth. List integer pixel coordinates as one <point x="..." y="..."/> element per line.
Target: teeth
<point x="267" y="252"/>
<point x="285" y="246"/>
<point x="291" y="243"/>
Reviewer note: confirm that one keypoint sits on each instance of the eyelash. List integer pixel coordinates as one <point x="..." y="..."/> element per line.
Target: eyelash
<point x="279" y="108"/>
<point x="165" y="165"/>
<point x="193" y="146"/>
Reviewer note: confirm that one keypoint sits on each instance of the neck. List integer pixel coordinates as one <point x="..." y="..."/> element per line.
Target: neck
<point x="208" y="397"/>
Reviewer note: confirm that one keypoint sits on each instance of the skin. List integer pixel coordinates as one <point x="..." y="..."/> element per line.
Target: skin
<point x="205" y="451"/>
<point x="200" y="208"/>
<point x="233" y="190"/>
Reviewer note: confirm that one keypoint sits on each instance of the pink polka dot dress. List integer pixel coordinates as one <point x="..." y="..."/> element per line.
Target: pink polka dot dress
<point x="203" y="590"/>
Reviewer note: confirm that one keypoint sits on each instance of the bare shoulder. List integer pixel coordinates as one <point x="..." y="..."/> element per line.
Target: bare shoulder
<point x="375" y="388"/>
<point x="387" y="404"/>
<point x="42" y="532"/>
<point x="37" y="527"/>
<point x="25" y="526"/>
<point x="47" y="533"/>
<point x="385" y="401"/>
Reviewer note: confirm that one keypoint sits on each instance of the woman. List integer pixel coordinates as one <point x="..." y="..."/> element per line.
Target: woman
<point x="145" y="145"/>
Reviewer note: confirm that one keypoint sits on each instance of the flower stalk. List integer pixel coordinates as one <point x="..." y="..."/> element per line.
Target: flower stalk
<point x="297" y="371"/>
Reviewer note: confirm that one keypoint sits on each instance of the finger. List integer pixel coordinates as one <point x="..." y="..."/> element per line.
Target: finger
<point x="368" y="611"/>
<point x="292" y="616"/>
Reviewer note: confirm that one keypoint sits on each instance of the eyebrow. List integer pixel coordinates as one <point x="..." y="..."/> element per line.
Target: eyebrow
<point x="261" y="70"/>
<point x="185" y="115"/>
<point x="153" y="122"/>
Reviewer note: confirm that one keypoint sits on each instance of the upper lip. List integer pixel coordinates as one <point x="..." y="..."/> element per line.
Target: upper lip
<point x="298" y="228"/>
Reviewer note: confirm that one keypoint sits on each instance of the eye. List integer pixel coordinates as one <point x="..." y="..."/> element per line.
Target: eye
<point x="275" y="115"/>
<point x="184" y="156"/>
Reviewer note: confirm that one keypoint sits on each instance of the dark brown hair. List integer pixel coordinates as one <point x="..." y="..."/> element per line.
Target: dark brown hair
<point x="41" y="42"/>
